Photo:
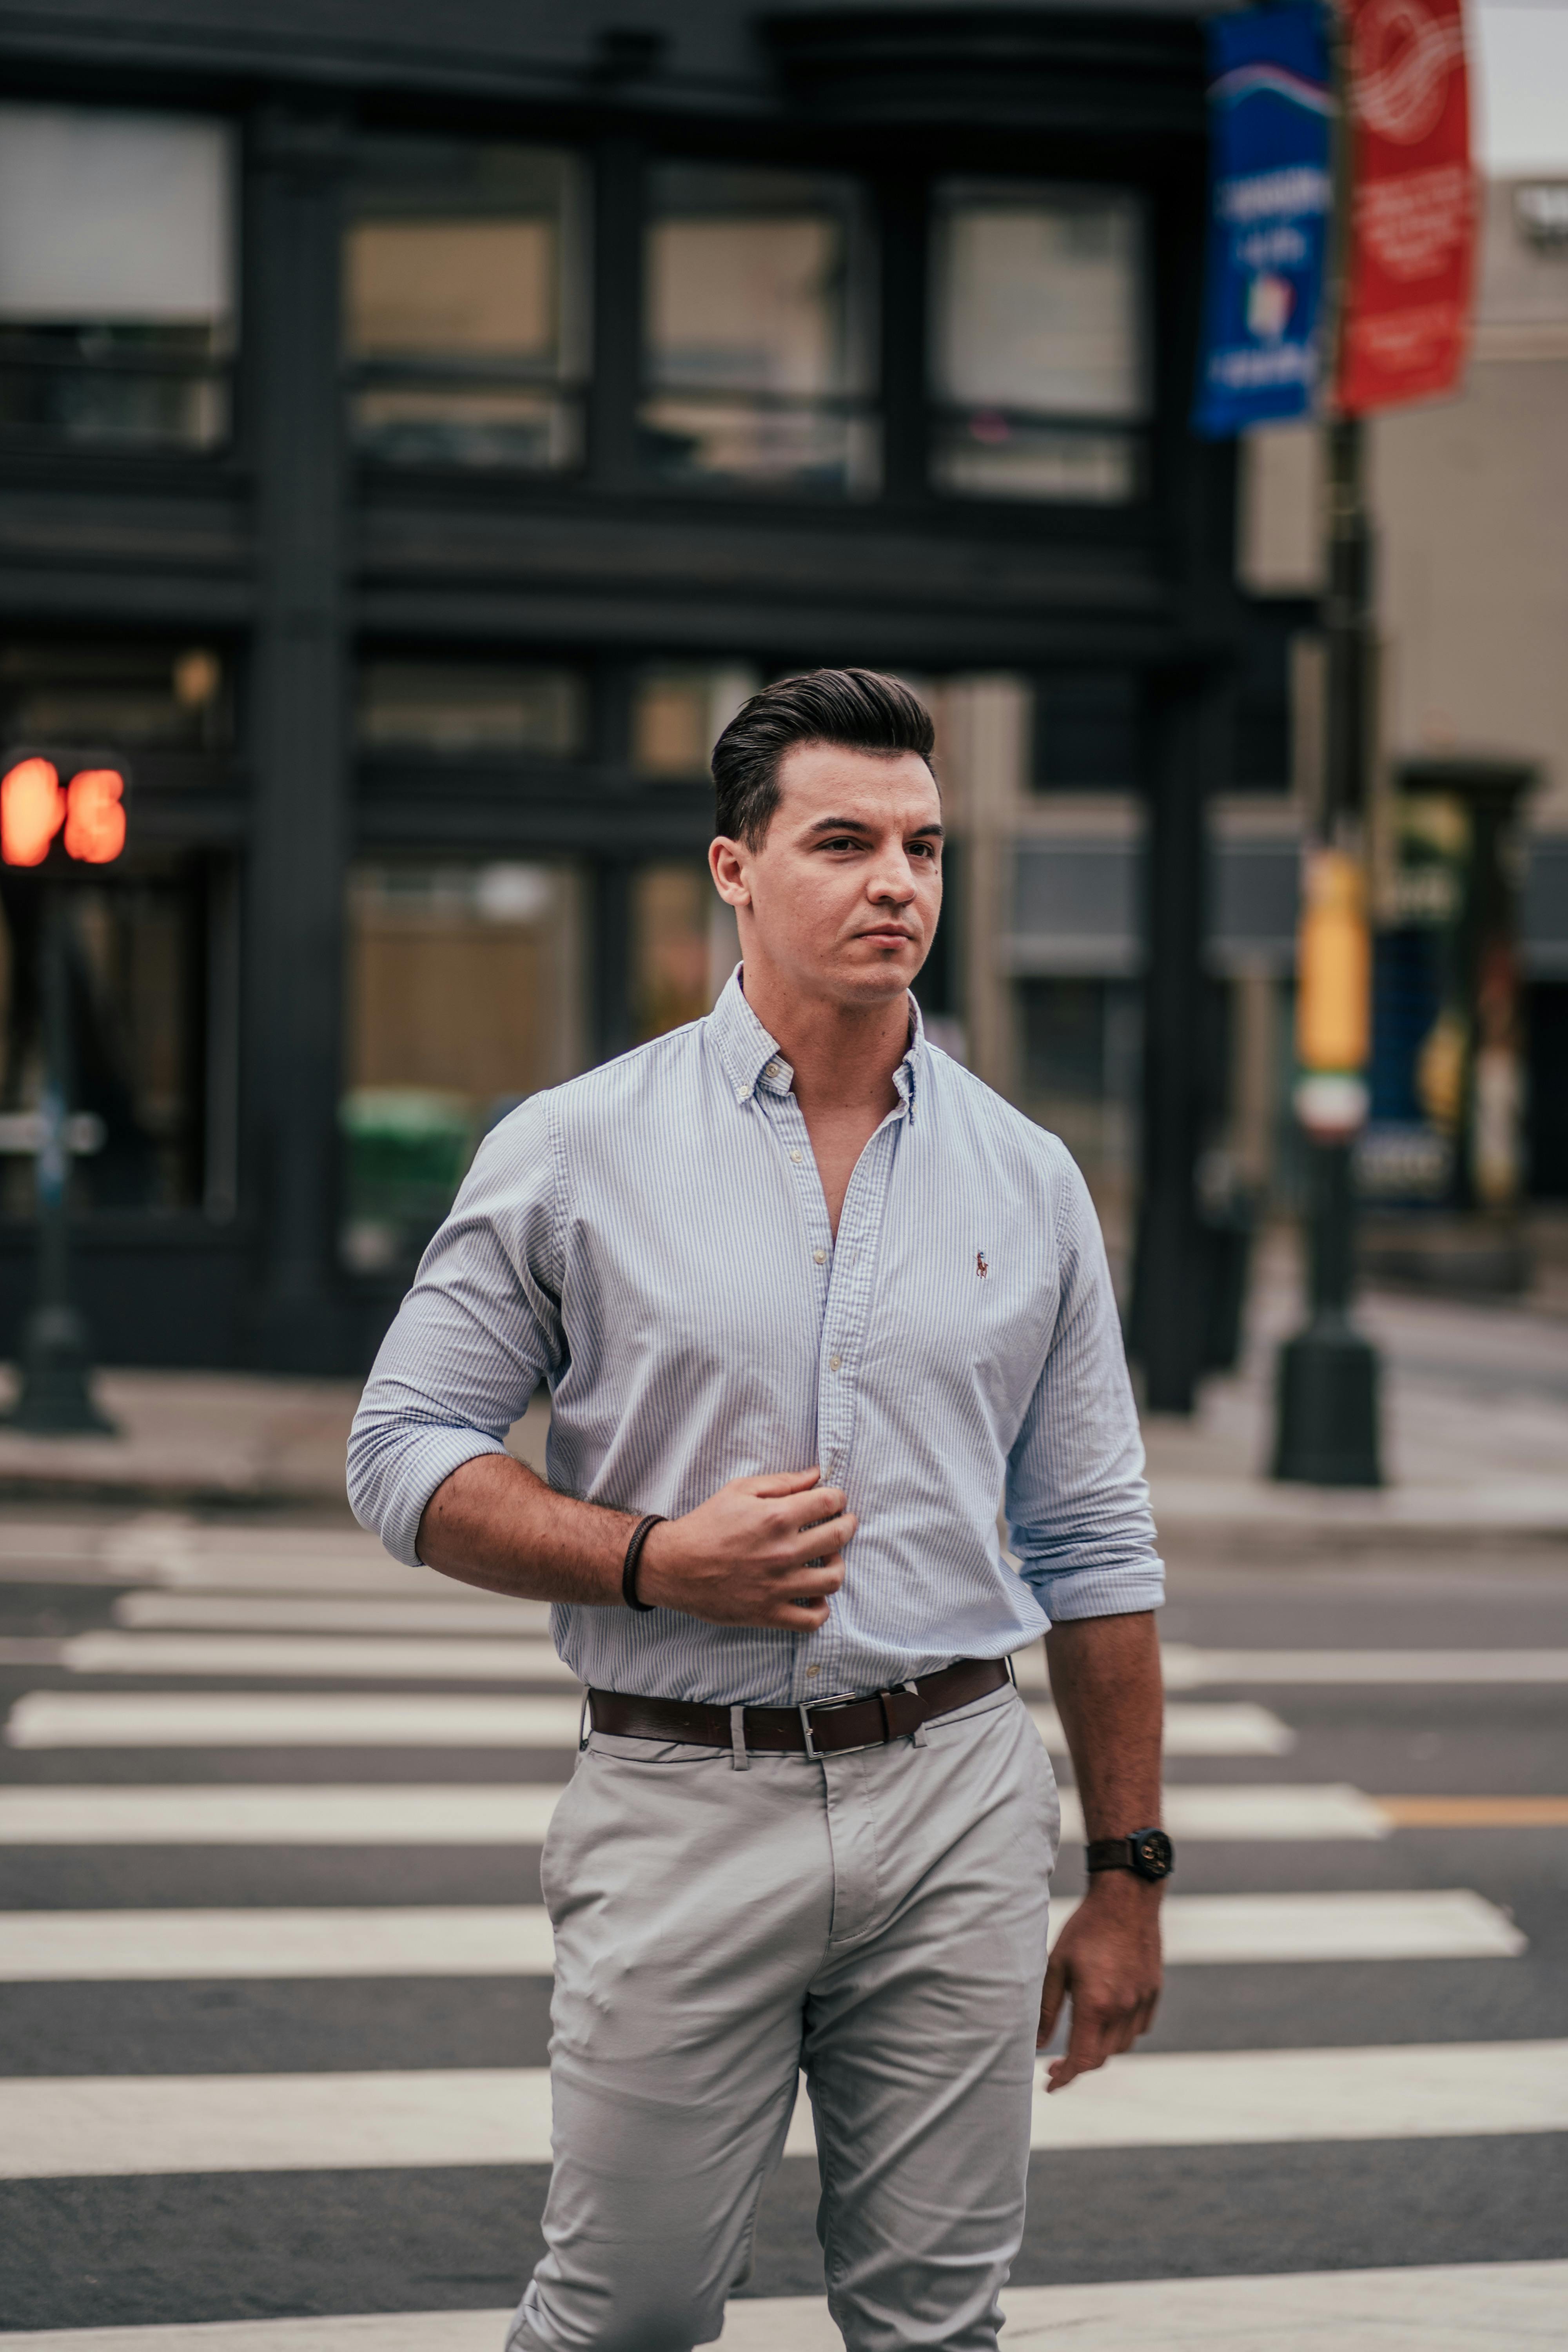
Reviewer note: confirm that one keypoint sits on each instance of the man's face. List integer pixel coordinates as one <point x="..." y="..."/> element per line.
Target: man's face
<point x="842" y="897"/>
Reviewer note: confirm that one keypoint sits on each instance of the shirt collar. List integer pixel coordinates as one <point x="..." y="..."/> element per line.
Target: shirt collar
<point x="751" y="1058"/>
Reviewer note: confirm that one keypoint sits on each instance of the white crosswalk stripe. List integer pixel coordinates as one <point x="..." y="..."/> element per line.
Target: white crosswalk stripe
<point x="41" y="1946"/>
<point x="1451" y="2307"/>
<point x="185" y="1718"/>
<point x="83" y="2126"/>
<point x="482" y="1813"/>
<point x="1191" y="1669"/>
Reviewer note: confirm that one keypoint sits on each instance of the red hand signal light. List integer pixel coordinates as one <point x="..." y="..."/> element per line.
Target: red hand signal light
<point x="95" y="815"/>
<point x="32" y="810"/>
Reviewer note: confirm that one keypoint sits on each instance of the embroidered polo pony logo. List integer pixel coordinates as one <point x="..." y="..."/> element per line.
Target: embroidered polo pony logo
<point x="981" y="1267"/>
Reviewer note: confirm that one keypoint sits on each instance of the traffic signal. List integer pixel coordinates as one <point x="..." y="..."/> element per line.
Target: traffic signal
<point x="42" y="821"/>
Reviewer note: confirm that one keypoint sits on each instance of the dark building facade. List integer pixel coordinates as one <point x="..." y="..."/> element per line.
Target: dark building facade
<point x="419" y="426"/>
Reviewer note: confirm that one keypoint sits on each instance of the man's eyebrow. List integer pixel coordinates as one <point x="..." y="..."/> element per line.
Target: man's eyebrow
<point x="858" y="824"/>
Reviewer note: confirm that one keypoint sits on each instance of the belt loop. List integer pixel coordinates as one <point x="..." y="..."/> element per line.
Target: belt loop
<point x="918" y="1739"/>
<point x="583" y="1726"/>
<point x="1012" y="1670"/>
<point x="739" y="1761"/>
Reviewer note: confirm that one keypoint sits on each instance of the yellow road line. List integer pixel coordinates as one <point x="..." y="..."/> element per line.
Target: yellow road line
<point x="1475" y="1813"/>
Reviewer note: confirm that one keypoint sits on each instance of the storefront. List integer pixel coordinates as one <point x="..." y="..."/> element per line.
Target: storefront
<point x="410" y="455"/>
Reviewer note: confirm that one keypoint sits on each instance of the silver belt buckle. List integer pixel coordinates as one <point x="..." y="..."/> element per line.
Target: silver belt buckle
<point x="808" y="1706"/>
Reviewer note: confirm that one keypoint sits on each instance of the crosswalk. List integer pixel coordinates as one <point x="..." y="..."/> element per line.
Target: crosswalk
<point x="251" y="1744"/>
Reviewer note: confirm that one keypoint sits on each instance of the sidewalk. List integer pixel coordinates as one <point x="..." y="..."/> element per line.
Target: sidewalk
<point x="1475" y="1425"/>
<point x="1476" y="1434"/>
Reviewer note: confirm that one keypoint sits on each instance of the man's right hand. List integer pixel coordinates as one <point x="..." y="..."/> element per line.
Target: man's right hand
<point x="761" y="1551"/>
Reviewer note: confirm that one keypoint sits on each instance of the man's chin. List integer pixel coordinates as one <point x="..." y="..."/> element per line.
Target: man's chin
<point x="878" y="977"/>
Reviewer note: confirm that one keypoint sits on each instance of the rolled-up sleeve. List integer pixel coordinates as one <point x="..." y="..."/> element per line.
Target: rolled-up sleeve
<point x="1076" y="1500"/>
<point x="476" y="1333"/>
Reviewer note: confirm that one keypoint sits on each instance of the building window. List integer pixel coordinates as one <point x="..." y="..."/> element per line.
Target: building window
<point x="116" y="277"/>
<point x="1082" y="1060"/>
<point x="679" y="709"/>
<point x="465" y="996"/>
<point x="121" y="697"/>
<point x="759" y="363"/>
<point x="1037" y="360"/>
<point x="683" y="946"/>
<point x="464" y="299"/>
<point x="459" y="707"/>
<point x="145" y="956"/>
<point x="1085" y="732"/>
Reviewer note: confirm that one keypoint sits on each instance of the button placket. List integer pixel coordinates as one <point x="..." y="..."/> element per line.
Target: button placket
<point x="849" y="1288"/>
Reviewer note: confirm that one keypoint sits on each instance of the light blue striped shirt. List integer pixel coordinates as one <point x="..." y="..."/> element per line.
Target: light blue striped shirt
<point x="652" y="1241"/>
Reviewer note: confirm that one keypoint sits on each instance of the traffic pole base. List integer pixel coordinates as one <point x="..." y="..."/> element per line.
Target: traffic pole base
<point x="1327" y="1396"/>
<point x="56" y="1399"/>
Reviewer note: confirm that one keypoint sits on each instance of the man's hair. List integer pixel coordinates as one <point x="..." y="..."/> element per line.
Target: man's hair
<point x="858" y="710"/>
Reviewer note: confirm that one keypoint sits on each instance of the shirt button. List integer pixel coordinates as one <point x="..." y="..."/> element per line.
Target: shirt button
<point x="796" y="1157"/>
<point x="820" y="1256"/>
<point x="833" y="1363"/>
<point x="812" y="1673"/>
<point x="742" y="1092"/>
<point x="773" y="1070"/>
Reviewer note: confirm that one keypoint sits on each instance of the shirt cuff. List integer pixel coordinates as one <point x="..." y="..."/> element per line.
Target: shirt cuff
<point x="395" y="1509"/>
<point x="1066" y="1593"/>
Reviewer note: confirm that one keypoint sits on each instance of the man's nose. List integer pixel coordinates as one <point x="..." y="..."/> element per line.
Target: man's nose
<point x="892" y="879"/>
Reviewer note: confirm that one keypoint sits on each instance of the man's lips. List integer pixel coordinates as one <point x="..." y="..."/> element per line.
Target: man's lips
<point x="888" y="935"/>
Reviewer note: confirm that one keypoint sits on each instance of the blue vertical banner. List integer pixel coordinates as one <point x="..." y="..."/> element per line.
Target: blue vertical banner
<point x="1270" y="108"/>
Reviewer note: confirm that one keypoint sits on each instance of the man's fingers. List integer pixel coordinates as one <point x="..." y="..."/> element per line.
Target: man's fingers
<point x="779" y="1482"/>
<point x="1088" y="2046"/>
<point x="819" y="1504"/>
<point x="1053" y="1992"/>
<point x="822" y="1542"/>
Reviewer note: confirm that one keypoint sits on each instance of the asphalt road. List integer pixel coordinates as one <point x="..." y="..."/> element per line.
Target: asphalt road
<point x="92" y="2239"/>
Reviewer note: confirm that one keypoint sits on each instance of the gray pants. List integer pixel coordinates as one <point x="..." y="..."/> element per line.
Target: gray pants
<point x="876" y="1919"/>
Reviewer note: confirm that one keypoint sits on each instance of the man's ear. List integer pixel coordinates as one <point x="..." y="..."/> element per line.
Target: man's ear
<point x="727" y="864"/>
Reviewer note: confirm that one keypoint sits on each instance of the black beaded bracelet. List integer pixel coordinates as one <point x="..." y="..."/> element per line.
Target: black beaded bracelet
<point x="640" y="1535"/>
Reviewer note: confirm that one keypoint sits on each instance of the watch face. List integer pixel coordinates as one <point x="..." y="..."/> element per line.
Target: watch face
<point x="1154" y="1856"/>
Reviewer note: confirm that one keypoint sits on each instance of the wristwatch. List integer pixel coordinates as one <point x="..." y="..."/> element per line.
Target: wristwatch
<point x="1149" y="1854"/>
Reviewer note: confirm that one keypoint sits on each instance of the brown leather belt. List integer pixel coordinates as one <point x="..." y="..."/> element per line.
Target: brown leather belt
<point x="834" y="1726"/>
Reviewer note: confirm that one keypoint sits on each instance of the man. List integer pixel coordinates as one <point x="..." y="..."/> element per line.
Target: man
<point x="806" y="1295"/>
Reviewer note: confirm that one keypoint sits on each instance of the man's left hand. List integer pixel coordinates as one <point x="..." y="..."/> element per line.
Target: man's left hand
<point x="1107" y="1963"/>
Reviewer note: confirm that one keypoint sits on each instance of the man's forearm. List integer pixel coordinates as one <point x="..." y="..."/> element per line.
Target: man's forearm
<point x="761" y="1551"/>
<point x="495" y="1524"/>
<point x="1105" y="1680"/>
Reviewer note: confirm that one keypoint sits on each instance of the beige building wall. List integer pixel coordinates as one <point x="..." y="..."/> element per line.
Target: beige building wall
<point x="1469" y="501"/>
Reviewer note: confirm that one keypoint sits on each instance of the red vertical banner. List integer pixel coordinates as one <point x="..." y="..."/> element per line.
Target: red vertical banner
<point x="1406" y="322"/>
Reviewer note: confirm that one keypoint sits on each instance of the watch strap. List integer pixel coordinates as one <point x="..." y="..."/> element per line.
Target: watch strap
<point x="1110" y="1854"/>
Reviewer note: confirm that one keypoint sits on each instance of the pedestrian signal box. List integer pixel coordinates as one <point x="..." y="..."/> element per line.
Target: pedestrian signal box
<point x="62" y="811"/>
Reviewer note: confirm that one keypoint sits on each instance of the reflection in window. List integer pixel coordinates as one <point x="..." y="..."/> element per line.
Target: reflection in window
<point x="683" y="947"/>
<point x="116" y="277"/>
<point x="469" y="706"/>
<point x="464" y="997"/>
<point x="117" y="696"/>
<point x="1038" y="351"/>
<point x="464" y="299"/>
<point x="680" y="712"/>
<point x="759" y="362"/>
<point x="139" y="955"/>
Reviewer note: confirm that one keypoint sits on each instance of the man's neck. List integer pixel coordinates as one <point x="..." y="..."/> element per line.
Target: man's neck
<point x="843" y="1055"/>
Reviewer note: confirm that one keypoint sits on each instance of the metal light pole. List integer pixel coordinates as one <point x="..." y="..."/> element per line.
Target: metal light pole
<point x="1327" y="1397"/>
<point x="55" y="1400"/>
